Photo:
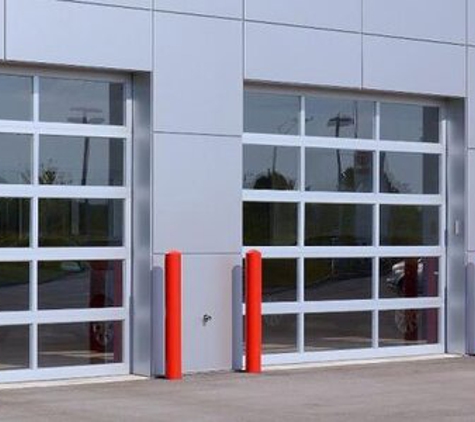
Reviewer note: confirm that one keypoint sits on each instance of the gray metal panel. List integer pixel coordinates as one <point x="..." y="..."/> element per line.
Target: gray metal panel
<point x="331" y="14"/>
<point x="471" y="199"/>
<point x="2" y="29"/>
<point x="439" y="20"/>
<point x="207" y="290"/>
<point x="197" y="194"/>
<point x="471" y="98"/>
<point x="58" y="32"/>
<point x="135" y="4"/>
<point x="222" y="8"/>
<point x="279" y="53"/>
<point x="471" y="22"/>
<point x="142" y="265"/>
<point x="198" y="75"/>
<point x="413" y="66"/>
<point x="456" y="275"/>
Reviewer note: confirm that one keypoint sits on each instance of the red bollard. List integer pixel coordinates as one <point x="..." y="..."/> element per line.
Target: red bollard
<point x="173" y="358"/>
<point x="254" y="312"/>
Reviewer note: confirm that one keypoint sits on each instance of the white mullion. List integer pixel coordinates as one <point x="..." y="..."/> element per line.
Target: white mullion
<point x="33" y="338"/>
<point x="375" y="330"/>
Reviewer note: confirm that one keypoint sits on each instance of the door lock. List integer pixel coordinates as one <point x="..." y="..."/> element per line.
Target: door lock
<point x="206" y="318"/>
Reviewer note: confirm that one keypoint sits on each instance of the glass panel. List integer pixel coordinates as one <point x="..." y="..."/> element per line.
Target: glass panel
<point x="81" y="161"/>
<point x="14" y="286"/>
<point x="15" y="159"/>
<point x="409" y="122"/>
<point x="271" y="167"/>
<point x="14" y="347"/>
<point x="16" y="101"/>
<point x="79" y="284"/>
<point x="408" y="327"/>
<point x="14" y="222"/>
<point x="409" y="277"/>
<point x="279" y="333"/>
<point x="338" y="225"/>
<point x="338" y="279"/>
<point x="408" y="225"/>
<point x="80" y="343"/>
<point x="270" y="224"/>
<point x="79" y="101"/>
<point x="271" y="113"/>
<point x="279" y="280"/>
<point x="349" y="330"/>
<point x="81" y="222"/>
<point x="409" y="173"/>
<point x="338" y="170"/>
<point x="339" y="118"/>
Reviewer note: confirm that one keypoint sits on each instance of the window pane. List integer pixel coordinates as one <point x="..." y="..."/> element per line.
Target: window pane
<point x="14" y="222"/>
<point x="338" y="170"/>
<point x="409" y="277"/>
<point x="349" y="330"/>
<point x="80" y="343"/>
<point x="271" y="167"/>
<point x="79" y="284"/>
<point x="408" y="225"/>
<point x="81" y="161"/>
<point x="14" y="347"/>
<point x="14" y="286"/>
<point x="279" y="333"/>
<point x="409" y="122"/>
<point x="339" y="118"/>
<point x="15" y="159"/>
<point x="279" y="280"/>
<point x="79" y="101"/>
<point x="338" y="225"/>
<point x="16" y="101"/>
<point x="409" y="173"/>
<point x="81" y="222"/>
<point x="338" y="279"/>
<point x="408" y="327"/>
<point x="270" y="224"/>
<point x="271" y="113"/>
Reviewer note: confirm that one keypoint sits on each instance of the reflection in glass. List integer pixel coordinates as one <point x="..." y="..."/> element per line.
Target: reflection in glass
<point x="403" y="172"/>
<point x="80" y="343"/>
<point x="81" y="101"/>
<point x="279" y="333"/>
<point x="81" y="222"/>
<point x="14" y="347"/>
<point x="271" y="167"/>
<point x="409" y="225"/>
<point x="270" y="224"/>
<point x="279" y="280"/>
<point x="409" y="277"/>
<point x="408" y="327"/>
<point x="332" y="331"/>
<point x="14" y="222"/>
<point x="14" y="286"/>
<point x="15" y="159"/>
<point x="338" y="170"/>
<point x="338" y="225"/>
<point x="79" y="284"/>
<point x="338" y="279"/>
<point x="271" y="113"/>
<point x="339" y="118"/>
<point x="16" y="101"/>
<point x="409" y="122"/>
<point x="81" y="161"/>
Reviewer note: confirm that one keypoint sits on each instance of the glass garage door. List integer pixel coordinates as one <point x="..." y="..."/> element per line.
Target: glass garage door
<point x="344" y="197"/>
<point x="65" y="143"/>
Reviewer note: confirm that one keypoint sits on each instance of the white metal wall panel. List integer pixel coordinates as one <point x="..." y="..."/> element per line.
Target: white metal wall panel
<point x="135" y="4"/>
<point x="197" y="194"/>
<point x="413" y="66"/>
<point x="471" y="22"/>
<point x="222" y="8"/>
<point x="471" y="200"/>
<point x="439" y="20"/>
<point x="329" y="14"/>
<point x="58" y="32"/>
<point x="278" y="53"/>
<point x="2" y="29"/>
<point x="470" y="104"/>
<point x="198" y="75"/>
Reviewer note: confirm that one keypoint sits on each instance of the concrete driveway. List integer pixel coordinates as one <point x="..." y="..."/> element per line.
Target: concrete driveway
<point x="432" y="390"/>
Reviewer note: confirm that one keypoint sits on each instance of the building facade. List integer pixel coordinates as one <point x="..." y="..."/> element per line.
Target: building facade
<point x="335" y="136"/>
